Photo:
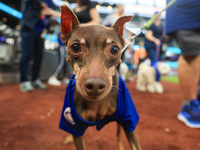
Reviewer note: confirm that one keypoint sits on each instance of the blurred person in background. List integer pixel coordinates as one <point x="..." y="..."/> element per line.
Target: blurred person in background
<point x="35" y="19"/>
<point x="140" y="55"/>
<point x="110" y="19"/>
<point x="128" y="58"/>
<point x="86" y="12"/>
<point x="53" y="79"/>
<point x="183" y="23"/>
<point x="127" y="55"/>
<point x="153" y="40"/>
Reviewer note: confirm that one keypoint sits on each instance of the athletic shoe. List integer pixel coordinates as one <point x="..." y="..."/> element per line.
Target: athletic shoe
<point x="54" y="82"/>
<point x="38" y="84"/>
<point x="190" y="114"/>
<point x="26" y="86"/>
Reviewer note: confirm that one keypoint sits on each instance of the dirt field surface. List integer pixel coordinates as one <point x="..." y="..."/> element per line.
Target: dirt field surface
<point x="29" y="121"/>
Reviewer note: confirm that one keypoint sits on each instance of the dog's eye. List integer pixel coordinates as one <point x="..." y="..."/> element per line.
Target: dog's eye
<point x="76" y="48"/>
<point x="114" y="50"/>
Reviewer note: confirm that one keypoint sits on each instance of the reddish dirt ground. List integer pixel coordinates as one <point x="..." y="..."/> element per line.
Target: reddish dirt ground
<point x="29" y="121"/>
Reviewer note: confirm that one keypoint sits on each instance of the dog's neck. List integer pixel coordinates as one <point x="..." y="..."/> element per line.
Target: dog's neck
<point x="97" y="110"/>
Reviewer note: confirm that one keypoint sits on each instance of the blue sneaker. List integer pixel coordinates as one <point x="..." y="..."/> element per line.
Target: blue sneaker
<point x="190" y="114"/>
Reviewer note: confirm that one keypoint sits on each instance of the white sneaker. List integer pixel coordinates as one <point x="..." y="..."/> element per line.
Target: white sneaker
<point x="54" y="81"/>
<point x="26" y="86"/>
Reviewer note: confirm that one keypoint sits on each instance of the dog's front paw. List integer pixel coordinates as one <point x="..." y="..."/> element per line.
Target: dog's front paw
<point x="150" y="88"/>
<point x="158" y="87"/>
<point x="141" y="88"/>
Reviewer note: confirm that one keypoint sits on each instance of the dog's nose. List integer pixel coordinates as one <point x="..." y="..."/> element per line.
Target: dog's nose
<point x="95" y="86"/>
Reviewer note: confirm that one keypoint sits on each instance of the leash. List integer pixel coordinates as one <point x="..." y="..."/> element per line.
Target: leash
<point x="144" y="27"/>
<point x="158" y="47"/>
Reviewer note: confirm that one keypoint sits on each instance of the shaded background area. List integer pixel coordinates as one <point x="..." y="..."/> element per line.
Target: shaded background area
<point x="29" y="121"/>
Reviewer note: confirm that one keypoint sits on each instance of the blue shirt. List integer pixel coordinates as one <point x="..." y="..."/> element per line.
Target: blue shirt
<point x="183" y="15"/>
<point x="157" y="32"/>
<point x="125" y="114"/>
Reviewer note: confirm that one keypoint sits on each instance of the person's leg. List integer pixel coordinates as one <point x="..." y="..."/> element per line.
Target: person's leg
<point x="27" y="44"/>
<point x="189" y="62"/>
<point x="151" y="54"/>
<point x="62" y="60"/>
<point x="189" y="73"/>
<point x="37" y="62"/>
<point x="37" y="57"/>
<point x="53" y="79"/>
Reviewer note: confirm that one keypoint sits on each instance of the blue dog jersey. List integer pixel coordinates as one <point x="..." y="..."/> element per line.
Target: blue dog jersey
<point x="125" y="114"/>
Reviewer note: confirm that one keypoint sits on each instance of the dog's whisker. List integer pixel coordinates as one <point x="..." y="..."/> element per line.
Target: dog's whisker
<point x="113" y="93"/>
<point x="116" y="87"/>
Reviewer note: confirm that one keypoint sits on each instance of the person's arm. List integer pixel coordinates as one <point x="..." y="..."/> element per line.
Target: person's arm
<point x="150" y="37"/>
<point x="36" y="4"/>
<point x="49" y="11"/>
<point x="95" y="18"/>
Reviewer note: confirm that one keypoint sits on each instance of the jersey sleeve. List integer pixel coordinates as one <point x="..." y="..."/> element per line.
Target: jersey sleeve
<point x="128" y="116"/>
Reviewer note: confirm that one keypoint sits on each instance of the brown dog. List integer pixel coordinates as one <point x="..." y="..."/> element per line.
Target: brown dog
<point x="95" y="91"/>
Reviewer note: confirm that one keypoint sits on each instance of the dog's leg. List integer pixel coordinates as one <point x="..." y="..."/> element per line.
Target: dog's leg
<point x="69" y="139"/>
<point x="79" y="142"/>
<point x="151" y="80"/>
<point x="119" y="137"/>
<point x="140" y="84"/>
<point x="151" y="88"/>
<point x="133" y="140"/>
<point x="159" y="88"/>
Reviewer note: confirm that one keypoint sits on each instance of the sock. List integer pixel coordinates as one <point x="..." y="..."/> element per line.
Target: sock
<point x="186" y="102"/>
<point x="198" y="96"/>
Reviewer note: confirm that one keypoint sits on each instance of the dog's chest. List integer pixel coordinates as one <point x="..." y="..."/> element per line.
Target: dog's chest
<point x="94" y="111"/>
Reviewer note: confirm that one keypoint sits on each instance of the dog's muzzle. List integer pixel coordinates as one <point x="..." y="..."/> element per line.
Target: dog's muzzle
<point x="94" y="87"/>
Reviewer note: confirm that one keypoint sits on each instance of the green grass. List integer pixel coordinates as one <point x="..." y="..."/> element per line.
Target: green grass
<point x="173" y="79"/>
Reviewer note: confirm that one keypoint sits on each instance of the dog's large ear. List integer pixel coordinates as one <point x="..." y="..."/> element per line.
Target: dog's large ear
<point x="119" y="24"/>
<point x="68" y="22"/>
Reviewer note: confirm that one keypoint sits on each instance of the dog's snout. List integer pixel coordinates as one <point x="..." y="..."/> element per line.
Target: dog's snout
<point x="95" y="86"/>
